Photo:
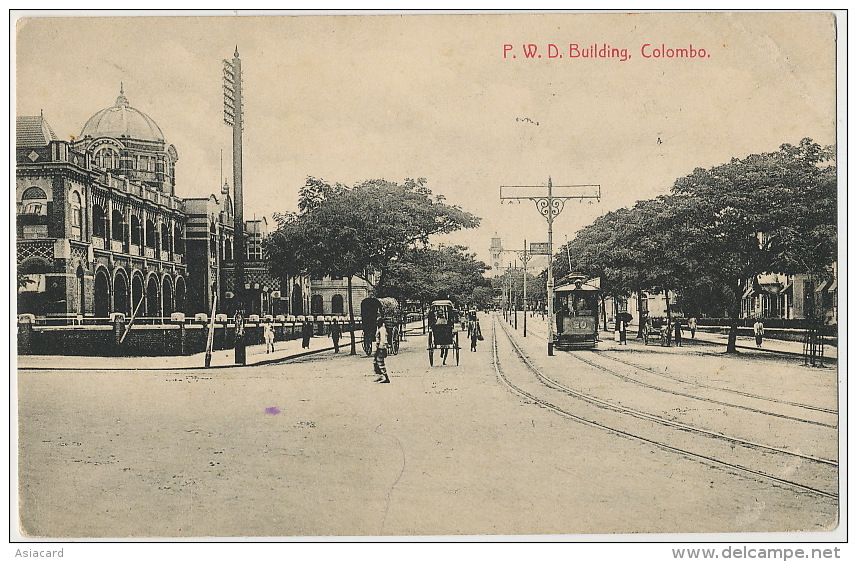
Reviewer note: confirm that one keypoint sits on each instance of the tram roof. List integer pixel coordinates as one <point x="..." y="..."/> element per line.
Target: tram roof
<point x="572" y="287"/>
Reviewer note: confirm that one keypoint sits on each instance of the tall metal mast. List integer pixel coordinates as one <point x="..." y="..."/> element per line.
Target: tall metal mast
<point x="233" y="115"/>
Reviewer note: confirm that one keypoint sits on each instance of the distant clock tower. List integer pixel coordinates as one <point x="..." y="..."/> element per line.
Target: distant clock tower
<point x="496" y="251"/>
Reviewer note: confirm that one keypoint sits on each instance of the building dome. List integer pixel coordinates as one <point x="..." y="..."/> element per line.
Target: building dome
<point x="122" y="121"/>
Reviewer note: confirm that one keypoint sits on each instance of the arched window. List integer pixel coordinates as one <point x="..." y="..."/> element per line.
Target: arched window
<point x="136" y="230"/>
<point x="34" y="202"/>
<point x="101" y="303"/>
<point x="117" y="226"/>
<point x="337" y="304"/>
<point x="228" y="247"/>
<point x="98" y="221"/>
<point x="178" y="239"/>
<point x="317" y="305"/>
<point x="165" y="237"/>
<point x="76" y="214"/>
<point x="212" y="238"/>
<point x="151" y="234"/>
<point x="106" y="158"/>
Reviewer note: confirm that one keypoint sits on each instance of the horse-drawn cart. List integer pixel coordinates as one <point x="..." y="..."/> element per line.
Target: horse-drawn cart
<point x="373" y="311"/>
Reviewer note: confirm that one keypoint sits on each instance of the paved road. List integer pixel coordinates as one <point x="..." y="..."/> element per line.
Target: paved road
<point x="313" y="447"/>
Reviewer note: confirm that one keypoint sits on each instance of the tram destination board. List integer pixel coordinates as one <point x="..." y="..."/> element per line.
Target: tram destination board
<point x="539" y="249"/>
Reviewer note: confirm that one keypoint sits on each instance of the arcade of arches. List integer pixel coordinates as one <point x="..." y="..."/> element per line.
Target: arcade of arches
<point x="121" y="292"/>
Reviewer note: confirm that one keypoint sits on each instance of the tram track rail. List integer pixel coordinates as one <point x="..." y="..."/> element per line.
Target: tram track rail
<point x="721" y="388"/>
<point x="826" y="464"/>
<point x="630" y="379"/>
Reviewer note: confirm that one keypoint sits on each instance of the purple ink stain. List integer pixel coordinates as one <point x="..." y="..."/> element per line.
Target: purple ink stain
<point x="272" y="411"/>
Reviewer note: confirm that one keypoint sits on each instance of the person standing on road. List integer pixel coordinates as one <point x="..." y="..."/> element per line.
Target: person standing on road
<point x="381" y="352"/>
<point x="623" y="331"/>
<point x="335" y="334"/>
<point x="678" y="332"/>
<point x="758" y="331"/>
<point x="691" y="323"/>
<point x="306" y="333"/>
<point x="268" y="332"/>
<point x="474" y="331"/>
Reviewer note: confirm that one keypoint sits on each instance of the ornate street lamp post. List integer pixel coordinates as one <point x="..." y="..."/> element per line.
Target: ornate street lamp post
<point x="550" y="206"/>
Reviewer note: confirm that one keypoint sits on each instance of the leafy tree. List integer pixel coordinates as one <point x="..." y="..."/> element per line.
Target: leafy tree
<point x="359" y="231"/>
<point x="632" y="250"/>
<point x="425" y="274"/>
<point x="482" y="296"/>
<point x="771" y="212"/>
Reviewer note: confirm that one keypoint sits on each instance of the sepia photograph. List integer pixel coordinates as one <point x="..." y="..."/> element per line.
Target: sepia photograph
<point x="428" y="276"/>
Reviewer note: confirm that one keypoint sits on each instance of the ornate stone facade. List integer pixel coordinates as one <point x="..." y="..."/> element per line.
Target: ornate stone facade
<point x="98" y="227"/>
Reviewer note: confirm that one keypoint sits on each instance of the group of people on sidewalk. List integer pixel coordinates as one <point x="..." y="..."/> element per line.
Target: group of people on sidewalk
<point x="307" y="331"/>
<point x="669" y="331"/>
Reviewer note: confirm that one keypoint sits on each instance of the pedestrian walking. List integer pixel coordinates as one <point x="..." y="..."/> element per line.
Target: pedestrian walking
<point x="268" y="333"/>
<point x="666" y="334"/>
<point x="758" y="331"/>
<point x="335" y="334"/>
<point x="678" y="332"/>
<point x="381" y="352"/>
<point x="474" y="330"/>
<point x="623" y="332"/>
<point x="306" y="333"/>
<point x="691" y="324"/>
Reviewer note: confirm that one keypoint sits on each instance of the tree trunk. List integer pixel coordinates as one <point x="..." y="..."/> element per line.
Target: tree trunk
<point x="640" y="320"/>
<point x="669" y="313"/>
<point x="734" y="316"/>
<point x="351" y="316"/>
<point x="615" y="313"/>
<point x="603" y="313"/>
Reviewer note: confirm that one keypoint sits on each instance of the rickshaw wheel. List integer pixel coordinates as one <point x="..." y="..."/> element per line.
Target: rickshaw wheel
<point x="431" y="357"/>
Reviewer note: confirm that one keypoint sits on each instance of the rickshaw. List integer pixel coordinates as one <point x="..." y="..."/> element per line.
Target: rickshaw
<point x="443" y="335"/>
<point x="373" y="309"/>
<point x="656" y="331"/>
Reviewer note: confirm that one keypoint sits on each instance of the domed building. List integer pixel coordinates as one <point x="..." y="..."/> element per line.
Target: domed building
<point x="100" y="231"/>
<point x="99" y="227"/>
<point x="126" y="142"/>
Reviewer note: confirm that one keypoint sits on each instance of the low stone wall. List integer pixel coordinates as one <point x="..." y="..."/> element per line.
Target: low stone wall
<point x="785" y="334"/>
<point x="146" y="340"/>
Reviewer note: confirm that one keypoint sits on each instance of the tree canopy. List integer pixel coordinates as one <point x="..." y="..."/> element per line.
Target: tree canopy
<point x="770" y="212"/>
<point x="354" y="231"/>
<point x="425" y="274"/>
<point x="358" y="231"/>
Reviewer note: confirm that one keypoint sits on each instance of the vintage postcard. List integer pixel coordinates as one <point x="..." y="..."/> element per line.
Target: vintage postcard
<point x="451" y="276"/>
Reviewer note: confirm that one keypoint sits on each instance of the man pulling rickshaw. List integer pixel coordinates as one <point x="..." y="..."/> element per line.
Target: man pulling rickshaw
<point x="442" y="318"/>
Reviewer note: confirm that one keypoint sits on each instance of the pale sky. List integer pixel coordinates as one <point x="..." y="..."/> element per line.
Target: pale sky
<point x="348" y="98"/>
